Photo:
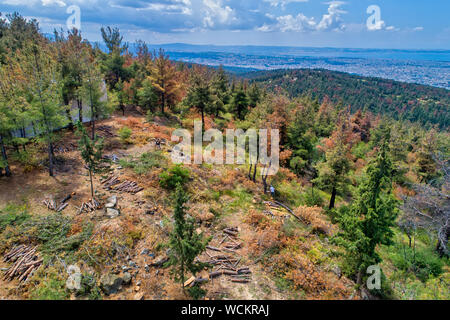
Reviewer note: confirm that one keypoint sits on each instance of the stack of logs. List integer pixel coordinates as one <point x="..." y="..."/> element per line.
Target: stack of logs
<point x="52" y="204"/>
<point x="114" y="183"/>
<point x="25" y="262"/>
<point x="228" y="264"/>
<point x="90" y="206"/>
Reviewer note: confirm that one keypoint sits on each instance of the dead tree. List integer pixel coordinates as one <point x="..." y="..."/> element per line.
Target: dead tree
<point x="430" y="209"/>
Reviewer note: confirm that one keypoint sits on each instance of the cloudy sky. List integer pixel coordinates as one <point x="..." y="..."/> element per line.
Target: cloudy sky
<point x="400" y="24"/>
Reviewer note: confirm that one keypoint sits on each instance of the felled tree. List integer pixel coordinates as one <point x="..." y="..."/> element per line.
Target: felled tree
<point x="367" y="222"/>
<point x="185" y="243"/>
<point x="91" y="152"/>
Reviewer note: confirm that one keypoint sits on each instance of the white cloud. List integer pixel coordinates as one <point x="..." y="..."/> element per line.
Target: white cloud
<point x="59" y="3"/>
<point x="301" y="23"/>
<point x="216" y="13"/>
<point x="418" y="29"/>
<point x="333" y="19"/>
<point x="282" y="3"/>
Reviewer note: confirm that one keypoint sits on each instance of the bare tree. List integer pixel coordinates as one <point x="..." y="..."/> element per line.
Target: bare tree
<point x="430" y="208"/>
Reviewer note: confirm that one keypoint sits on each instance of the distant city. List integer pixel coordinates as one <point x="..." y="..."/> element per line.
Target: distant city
<point x="413" y="66"/>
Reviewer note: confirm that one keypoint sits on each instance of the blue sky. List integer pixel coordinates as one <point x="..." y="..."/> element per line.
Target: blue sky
<point x="402" y="24"/>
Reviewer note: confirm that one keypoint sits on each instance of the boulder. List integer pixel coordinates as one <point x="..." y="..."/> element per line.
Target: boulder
<point x="159" y="262"/>
<point x="111" y="202"/>
<point x="110" y="283"/>
<point x="112" y="213"/>
<point x="126" y="278"/>
<point x="74" y="280"/>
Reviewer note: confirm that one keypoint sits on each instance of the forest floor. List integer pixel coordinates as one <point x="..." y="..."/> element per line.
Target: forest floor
<point x="221" y="197"/>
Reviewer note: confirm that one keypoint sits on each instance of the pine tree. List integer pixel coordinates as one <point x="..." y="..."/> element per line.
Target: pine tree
<point x="199" y="94"/>
<point x="185" y="243"/>
<point x="92" y="90"/>
<point x="164" y="79"/>
<point x="91" y="152"/>
<point x="239" y="103"/>
<point x="37" y="70"/>
<point x="332" y="173"/>
<point x="369" y="220"/>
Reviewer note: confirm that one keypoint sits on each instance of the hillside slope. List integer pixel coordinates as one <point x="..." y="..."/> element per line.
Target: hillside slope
<point x="402" y="101"/>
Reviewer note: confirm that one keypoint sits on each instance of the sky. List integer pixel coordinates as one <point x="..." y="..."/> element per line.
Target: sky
<point x="393" y="24"/>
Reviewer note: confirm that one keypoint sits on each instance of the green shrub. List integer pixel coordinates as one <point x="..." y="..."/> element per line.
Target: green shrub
<point x="13" y="215"/>
<point x="125" y="134"/>
<point x="175" y="175"/>
<point x="146" y="162"/>
<point x="312" y="198"/>
<point x="196" y="293"/>
<point x="52" y="288"/>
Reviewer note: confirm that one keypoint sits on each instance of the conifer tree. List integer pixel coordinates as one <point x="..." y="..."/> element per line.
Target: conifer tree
<point x="239" y="103"/>
<point x="368" y="222"/>
<point x="37" y="70"/>
<point x="185" y="243"/>
<point x="200" y="96"/>
<point x="164" y="79"/>
<point x="91" y="152"/>
<point x="332" y="173"/>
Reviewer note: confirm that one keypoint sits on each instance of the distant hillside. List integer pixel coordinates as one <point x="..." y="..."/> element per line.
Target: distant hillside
<point x="425" y="104"/>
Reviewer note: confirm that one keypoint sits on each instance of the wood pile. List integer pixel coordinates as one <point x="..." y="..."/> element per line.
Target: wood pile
<point x="51" y="204"/>
<point x="25" y="261"/>
<point x="90" y="206"/>
<point x="226" y="258"/>
<point x="114" y="183"/>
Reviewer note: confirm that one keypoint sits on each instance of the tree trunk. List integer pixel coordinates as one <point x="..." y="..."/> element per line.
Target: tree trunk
<point x="92" y="184"/>
<point x="69" y="117"/>
<point x="203" y="120"/>
<point x="163" y="102"/>
<point x="93" y="128"/>
<point x="50" y="159"/>
<point x="80" y="110"/>
<point x="333" y="198"/>
<point x="5" y="157"/>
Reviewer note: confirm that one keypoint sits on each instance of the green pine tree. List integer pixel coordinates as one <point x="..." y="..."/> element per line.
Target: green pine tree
<point x="368" y="221"/>
<point x="185" y="243"/>
<point x="91" y="152"/>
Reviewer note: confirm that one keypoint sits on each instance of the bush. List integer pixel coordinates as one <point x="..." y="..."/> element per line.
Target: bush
<point x="175" y="175"/>
<point x="146" y="161"/>
<point x="125" y="134"/>
<point x="196" y="292"/>
<point x="13" y="215"/>
<point x="312" y="198"/>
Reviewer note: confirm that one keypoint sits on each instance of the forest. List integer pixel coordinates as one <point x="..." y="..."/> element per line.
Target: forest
<point x="401" y="101"/>
<point x="92" y="207"/>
